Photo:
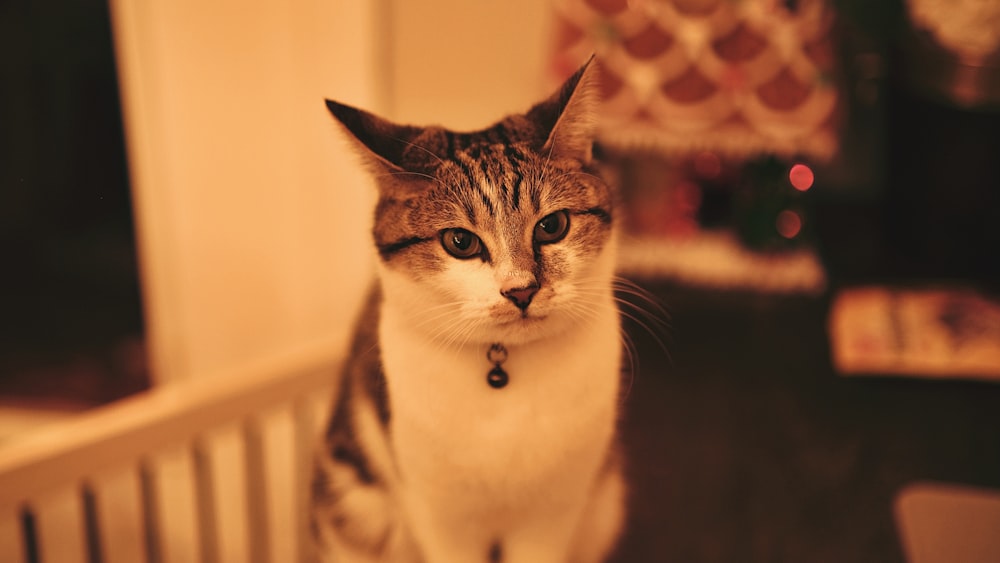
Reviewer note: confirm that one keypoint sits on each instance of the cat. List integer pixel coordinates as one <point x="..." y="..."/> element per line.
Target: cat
<point x="477" y="414"/>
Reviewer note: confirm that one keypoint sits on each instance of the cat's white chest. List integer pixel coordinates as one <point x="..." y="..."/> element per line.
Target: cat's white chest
<point x="454" y="433"/>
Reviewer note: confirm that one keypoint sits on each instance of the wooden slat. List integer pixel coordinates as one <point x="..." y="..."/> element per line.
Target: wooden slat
<point x="11" y="535"/>
<point x="256" y="495"/>
<point x="120" y="515"/>
<point x="225" y="473"/>
<point x="175" y="506"/>
<point x="312" y="412"/>
<point x="276" y="440"/>
<point x="315" y="408"/>
<point x="60" y="526"/>
<point x="304" y="444"/>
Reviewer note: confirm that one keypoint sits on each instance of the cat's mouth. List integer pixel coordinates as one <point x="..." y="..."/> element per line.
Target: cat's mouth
<point x="524" y="319"/>
<point x="514" y="324"/>
<point x="524" y="326"/>
<point x="520" y="330"/>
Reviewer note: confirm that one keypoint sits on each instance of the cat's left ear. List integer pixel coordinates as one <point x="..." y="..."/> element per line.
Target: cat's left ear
<point x="568" y="119"/>
<point x="383" y="144"/>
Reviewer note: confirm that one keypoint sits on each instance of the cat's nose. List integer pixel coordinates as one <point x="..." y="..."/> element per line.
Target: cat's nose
<point x="521" y="296"/>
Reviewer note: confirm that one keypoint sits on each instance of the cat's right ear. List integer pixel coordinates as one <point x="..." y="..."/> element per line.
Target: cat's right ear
<point x="381" y="142"/>
<point x="568" y="118"/>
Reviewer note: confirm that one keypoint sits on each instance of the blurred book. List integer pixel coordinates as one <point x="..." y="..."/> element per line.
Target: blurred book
<point x="946" y="332"/>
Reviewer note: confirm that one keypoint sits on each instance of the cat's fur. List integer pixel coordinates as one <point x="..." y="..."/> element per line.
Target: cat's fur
<point x="425" y="462"/>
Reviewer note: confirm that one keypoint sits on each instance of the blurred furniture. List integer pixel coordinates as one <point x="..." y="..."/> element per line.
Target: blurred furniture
<point x="946" y="523"/>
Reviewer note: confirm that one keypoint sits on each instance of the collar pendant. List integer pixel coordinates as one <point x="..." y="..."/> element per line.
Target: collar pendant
<point x="497" y="378"/>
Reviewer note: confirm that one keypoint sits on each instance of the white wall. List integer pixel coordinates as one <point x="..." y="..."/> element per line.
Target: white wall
<point x="465" y="64"/>
<point x="252" y="218"/>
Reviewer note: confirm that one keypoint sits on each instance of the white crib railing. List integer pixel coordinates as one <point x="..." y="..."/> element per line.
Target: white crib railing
<point x="213" y="471"/>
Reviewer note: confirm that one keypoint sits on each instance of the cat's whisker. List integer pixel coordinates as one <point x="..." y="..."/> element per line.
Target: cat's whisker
<point x="438" y="332"/>
<point x="586" y="311"/>
<point x="651" y="316"/>
<point x="434" y="331"/>
<point x="652" y="322"/>
<point x="591" y="300"/>
<point x="632" y="355"/>
<point x="432" y="315"/>
<point x="582" y="315"/>
<point x="577" y="173"/>
<point x="649" y="330"/>
<point x="454" y="335"/>
<point x="406" y="173"/>
<point x="650" y="307"/>
<point x="416" y="146"/>
<point x="425" y="315"/>
<point x="624" y="285"/>
<point x="447" y="334"/>
<point x="548" y="157"/>
<point x="409" y="173"/>
<point x="462" y="335"/>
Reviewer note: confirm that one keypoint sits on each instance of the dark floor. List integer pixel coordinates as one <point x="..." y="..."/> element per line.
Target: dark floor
<point x="745" y="446"/>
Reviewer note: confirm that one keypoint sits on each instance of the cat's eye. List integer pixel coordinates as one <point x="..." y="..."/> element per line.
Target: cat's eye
<point x="552" y="228"/>
<point x="460" y="243"/>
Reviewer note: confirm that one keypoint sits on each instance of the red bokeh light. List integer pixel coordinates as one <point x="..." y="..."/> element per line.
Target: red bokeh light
<point x="801" y="177"/>
<point x="788" y="224"/>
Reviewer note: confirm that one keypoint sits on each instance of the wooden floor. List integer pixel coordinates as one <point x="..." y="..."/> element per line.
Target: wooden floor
<point x="745" y="446"/>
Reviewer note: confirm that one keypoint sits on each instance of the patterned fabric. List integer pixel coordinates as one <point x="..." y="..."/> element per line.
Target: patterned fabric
<point x="739" y="77"/>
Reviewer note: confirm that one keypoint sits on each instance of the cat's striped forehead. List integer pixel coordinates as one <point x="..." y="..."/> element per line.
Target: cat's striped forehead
<point x="487" y="180"/>
<point x="497" y="191"/>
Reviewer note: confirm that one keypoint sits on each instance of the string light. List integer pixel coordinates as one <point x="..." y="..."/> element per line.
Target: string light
<point x="801" y="177"/>
<point x="788" y="224"/>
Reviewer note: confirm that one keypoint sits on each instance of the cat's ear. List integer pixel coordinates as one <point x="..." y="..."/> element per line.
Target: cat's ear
<point x="381" y="142"/>
<point x="568" y="119"/>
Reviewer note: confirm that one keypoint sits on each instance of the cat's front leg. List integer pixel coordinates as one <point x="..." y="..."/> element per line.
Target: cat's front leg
<point x="535" y="542"/>
<point x="547" y="538"/>
<point x="546" y="532"/>
<point x="355" y="522"/>
<point x="446" y="535"/>
<point x="603" y="518"/>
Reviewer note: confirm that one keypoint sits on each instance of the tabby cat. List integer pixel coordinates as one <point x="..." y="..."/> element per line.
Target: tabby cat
<point x="476" y="420"/>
